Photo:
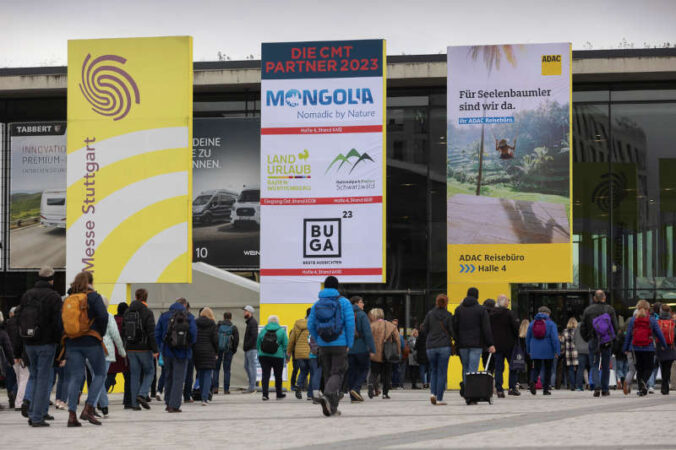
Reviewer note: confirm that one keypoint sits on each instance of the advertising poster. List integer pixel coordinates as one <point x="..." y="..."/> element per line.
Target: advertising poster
<point x="226" y="192"/>
<point x="129" y="178"/>
<point x="509" y="163"/>
<point x="322" y="162"/>
<point x="37" y="195"/>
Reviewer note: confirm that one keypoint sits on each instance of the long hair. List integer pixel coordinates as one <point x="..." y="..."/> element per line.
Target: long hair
<point x="441" y="301"/>
<point x="572" y="323"/>
<point x="80" y="283"/>
<point x="208" y="313"/>
<point x="523" y="328"/>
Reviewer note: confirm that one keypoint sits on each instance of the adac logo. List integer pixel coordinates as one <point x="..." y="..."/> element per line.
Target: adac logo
<point x="551" y="65"/>
<point x="345" y="159"/>
<point x="323" y="97"/>
<point x="108" y="87"/>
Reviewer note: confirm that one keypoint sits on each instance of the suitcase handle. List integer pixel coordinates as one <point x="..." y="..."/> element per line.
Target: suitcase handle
<point x="488" y="362"/>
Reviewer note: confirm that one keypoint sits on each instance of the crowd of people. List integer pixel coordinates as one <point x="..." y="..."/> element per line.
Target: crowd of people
<point x="50" y="341"/>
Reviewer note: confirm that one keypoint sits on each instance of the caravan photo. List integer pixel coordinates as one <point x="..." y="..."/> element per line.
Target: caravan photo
<point x="53" y="208"/>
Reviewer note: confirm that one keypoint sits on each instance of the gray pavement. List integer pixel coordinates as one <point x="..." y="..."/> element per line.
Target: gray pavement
<point x="35" y="246"/>
<point x="565" y="420"/>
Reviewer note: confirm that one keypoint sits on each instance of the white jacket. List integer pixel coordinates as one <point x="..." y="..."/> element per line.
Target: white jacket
<point x="112" y="339"/>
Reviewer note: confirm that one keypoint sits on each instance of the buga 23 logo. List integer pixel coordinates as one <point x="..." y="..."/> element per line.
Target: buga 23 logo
<point x="324" y="97"/>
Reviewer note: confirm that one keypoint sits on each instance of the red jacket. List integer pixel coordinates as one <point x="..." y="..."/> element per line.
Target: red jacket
<point x="120" y="364"/>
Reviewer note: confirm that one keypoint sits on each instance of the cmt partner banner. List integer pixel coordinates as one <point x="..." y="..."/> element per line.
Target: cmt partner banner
<point x="509" y="163"/>
<point x="322" y="163"/>
<point x="129" y="179"/>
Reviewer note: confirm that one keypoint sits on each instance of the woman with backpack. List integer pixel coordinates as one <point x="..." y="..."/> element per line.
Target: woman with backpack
<point x="639" y="342"/>
<point x="205" y="351"/>
<point x="666" y="355"/>
<point x="542" y="344"/>
<point x="272" y="343"/>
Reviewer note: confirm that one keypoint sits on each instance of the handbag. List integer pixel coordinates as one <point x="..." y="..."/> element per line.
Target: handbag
<point x="517" y="360"/>
<point x="391" y="351"/>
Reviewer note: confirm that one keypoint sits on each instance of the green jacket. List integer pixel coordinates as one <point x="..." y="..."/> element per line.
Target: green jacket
<point x="282" y="340"/>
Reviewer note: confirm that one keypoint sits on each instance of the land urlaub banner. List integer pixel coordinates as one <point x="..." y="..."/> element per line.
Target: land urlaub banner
<point x="322" y="165"/>
<point x="509" y="163"/>
<point x="129" y="178"/>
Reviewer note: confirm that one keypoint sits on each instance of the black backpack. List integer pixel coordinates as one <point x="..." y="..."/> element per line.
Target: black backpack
<point x="269" y="343"/>
<point x="132" y="328"/>
<point x="29" y="320"/>
<point x="178" y="332"/>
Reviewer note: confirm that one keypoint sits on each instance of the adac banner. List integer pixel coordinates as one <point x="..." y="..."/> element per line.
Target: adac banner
<point x="323" y="161"/>
<point x="509" y="163"/>
<point x="129" y="160"/>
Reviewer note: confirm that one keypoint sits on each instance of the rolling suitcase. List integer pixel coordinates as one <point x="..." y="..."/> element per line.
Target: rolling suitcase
<point x="478" y="386"/>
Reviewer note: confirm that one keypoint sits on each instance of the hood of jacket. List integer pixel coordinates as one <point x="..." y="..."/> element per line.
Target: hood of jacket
<point x="329" y="292"/>
<point x="177" y="307"/>
<point x="469" y="301"/>
<point x="301" y="324"/>
<point x="137" y="305"/>
<point x="543" y="316"/>
<point x="204" y="322"/>
<point x="272" y="326"/>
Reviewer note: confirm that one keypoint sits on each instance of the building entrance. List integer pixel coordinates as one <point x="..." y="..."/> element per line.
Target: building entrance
<point x="563" y="303"/>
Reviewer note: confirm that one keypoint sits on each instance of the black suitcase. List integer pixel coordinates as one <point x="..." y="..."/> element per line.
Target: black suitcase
<point x="478" y="386"/>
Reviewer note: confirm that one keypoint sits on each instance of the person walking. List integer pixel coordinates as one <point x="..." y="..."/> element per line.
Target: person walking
<point x="621" y="360"/>
<point x="331" y="325"/>
<point x="505" y="330"/>
<point x="361" y="351"/>
<point x="138" y="326"/>
<point x="112" y="341"/>
<point x="6" y="361"/>
<point x="299" y="349"/>
<point x="421" y="358"/>
<point x="120" y="365"/>
<point x="228" y="341"/>
<point x="584" y="360"/>
<point x="571" y="352"/>
<point x="413" y="366"/>
<point x="666" y="354"/>
<point x="599" y="328"/>
<point x="315" y="372"/>
<point x="18" y="377"/>
<point x="249" y="347"/>
<point x="472" y="333"/>
<point x="383" y="332"/>
<point x="438" y="329"/>
<point x="176" y="332"/>
<point x="205" y="351"/>
<point x="542" y="344"/>
<point x="271" y="345"/>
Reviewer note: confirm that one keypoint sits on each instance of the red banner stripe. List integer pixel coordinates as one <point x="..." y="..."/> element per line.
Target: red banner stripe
<point x="321" y="201"/>
<point x="320" y="272"/>
<point x="324" y="130"/>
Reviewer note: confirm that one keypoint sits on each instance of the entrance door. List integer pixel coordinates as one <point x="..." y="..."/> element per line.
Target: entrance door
<point x="563" y="304"/>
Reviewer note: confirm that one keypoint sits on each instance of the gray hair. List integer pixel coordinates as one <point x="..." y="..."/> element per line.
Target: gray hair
<point x="273" y="319"/>
<point x="503" y="301"/>
<point x="545" y="310"/>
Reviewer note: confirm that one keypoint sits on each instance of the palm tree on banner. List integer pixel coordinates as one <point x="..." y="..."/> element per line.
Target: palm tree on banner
<point x="492" y="56"/>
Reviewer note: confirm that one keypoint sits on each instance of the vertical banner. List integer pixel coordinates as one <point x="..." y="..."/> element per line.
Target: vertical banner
<point x="509" y="163"/>
<point x="322" y="164"/>
<point x="129" y="177"/>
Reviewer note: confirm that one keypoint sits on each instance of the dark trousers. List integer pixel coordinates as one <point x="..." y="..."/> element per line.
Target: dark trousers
<point x="644" y="368"/>
<point x="294" y="371"/>
<point x="224" y="360"/>
<point x="665" y="367"/>
<point x="126" y="399"/>
<point x="187" y="389"/>
<point x="334" y="367"/>
<point x="499" y="358"/>
<point x="537" y="366"/>
<point x="160" y="381"/>
<point x="271" y="363"/>
<point x="174" y="379"/>
<point x="384" y="371"/>
<point x="358" y="371"/>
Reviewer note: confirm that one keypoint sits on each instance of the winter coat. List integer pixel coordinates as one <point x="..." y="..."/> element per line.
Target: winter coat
<point x="235" y="334"/>
<point x="471" y="325"/>
<point x="657" y="333"/>
<point x="148" y="323"/>
<point x="282" y="341"/>
<point x="504" y="327"/>
<point x="346" y="338"/>
<point x="12" y="327"/>
<point x="250" y="334"/>
<point x="592" y="312"/>
<point x="421" y="349"/>
<point x="581" y="345"/>
<point x="363" y="339"/>
<point x="161" y="334"/>
<point x="667" y="353"/>
<point x="547" y="347"/>
<point x="383" y="330"/>
<point x="120" y="364"/>
<point x="438" y="327"/>
<point x="205" y="350"/>
<point x="98" y="314"/>
<point x="112" y="340"/>
<point x="299" y="345"/>
<point x="50" y="325"/>
<point x="569" y="347"/>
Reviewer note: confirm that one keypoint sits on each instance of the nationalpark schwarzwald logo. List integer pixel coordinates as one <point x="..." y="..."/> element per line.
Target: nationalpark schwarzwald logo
<point x="353" y="155"/>
<point x="108" y="87"/>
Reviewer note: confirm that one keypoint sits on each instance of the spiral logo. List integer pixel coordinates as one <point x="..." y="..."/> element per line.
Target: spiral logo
<point x="615" y="183"/>
<point x="107" y="87"/>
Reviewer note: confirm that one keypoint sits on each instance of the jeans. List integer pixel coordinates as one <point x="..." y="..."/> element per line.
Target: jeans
<point x="438" y="360"/>
<point x="334" y="367"/>
<point x="584" y="362"/>
<point x="547" y="377"/>
<point x="41" y="363"/>
<point x="140" y="364"/>
<point x="315" y="376"/>
<point x="304" y="371"/>
<point x="76" y="355"/>
<point x="602" y="356"/>
<point x="621" y="368"/>
<point x="572" y="376"/>
<point x="160" y="382"/>
<point x="204" y="377"/>
<point x="250" y="357"/>
<point x="224" y="360"/>
<point x="190" y="372"/>
<point x="102" y="399"/>
<point x="61" y="386"/>
<point x="174" y="380"/>
<point x="424" y="373"/>
<point x="396" y="374"/>
<point x="294" y="372"/>
<point x="469" y="357"/>
<point x="358" y="370"/>
<point x="499" y="358"/>
<point x="269" y="363"/>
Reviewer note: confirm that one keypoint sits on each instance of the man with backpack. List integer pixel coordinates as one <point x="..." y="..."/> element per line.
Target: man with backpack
<point x="176" y="332"/>
<point x="543" y="346"/>
<point x="40" y="329"/>
<point x="138" y="335"/>
<point x="249" y="347"/>
<point x="331" y="325"/>
<point x="359" y="356"/>
<point x="599" y="328"/>
<point x="228" y="340"/>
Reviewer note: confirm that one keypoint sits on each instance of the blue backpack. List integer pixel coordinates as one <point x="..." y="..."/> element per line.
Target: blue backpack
<point x="225" y="338"/>
<point x="329" y="317"/>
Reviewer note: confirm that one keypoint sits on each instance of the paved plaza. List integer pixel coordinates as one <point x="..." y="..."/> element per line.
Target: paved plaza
<point x="565" y="420"/>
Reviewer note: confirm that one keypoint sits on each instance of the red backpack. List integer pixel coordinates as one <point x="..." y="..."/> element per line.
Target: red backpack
<point x="667" y="327"/>
<point x="642" y="334"/>
<point x="539" y="329"/>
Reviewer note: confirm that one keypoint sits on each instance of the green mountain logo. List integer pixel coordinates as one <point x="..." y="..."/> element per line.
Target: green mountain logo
<point x="345" y="159"/>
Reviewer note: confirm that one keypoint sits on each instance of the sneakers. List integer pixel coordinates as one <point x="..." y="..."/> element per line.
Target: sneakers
<point x="386" y="397"/>
<point x="158" y="398"/>
<point x="546" y="392"/>
<point x="326" y="406"/>
<point x="651" y="391"/>
<point x="501" y="394"/>
<point x="281" y="396"/>
<point x="266" y="398"/>
<point x="143" y="401"/>
<point x="58" y="404"/>
<point x="513" y="392"/>
<point x="370" y="391"/>
<point x="104" y="410"/>
<point x="442" y="403"/>
<point x="531" y="387"/>
<point x="204" y="403"/>
<point x="299" y="394"/>
<point x="356" y="396"/>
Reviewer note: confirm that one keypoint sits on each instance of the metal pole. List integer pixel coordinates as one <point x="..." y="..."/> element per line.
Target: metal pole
<point x="408" y="313"/>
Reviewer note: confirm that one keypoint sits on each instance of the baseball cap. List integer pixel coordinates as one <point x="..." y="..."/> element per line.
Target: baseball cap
<point x="249" y="308"/>
<point x="46" y="272"/>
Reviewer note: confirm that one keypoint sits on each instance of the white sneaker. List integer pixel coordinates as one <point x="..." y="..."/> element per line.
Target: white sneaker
<point x="204" y="403"/>
<point x="651" y="391"/>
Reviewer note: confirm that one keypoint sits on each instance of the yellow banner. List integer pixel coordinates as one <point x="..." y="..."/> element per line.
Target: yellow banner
<point x="129" y="214"/>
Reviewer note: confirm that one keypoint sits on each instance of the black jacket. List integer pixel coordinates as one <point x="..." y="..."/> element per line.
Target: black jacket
<point x="206" y="348"/>
<point x="471" y="325"/>
<point x="6" y="347"/>
<point x="438" y="326"/>
<point x="421" y="348"/>
<point x="51" y="328"/>
<point x="250" y="334"/>
<point x="504" y="327"/>
<point x="148" y="323"/>
<point x="235" y="334"/>
<point x="592" y="312"/>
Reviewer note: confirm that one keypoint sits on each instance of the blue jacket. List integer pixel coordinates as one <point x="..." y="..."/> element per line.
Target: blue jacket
<point x="648" y="348"/>
<point x="346" y="338"/>
<point x="363" y="342"/>
<point x="547" y="347"/>
<point x="161" y="333"/>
